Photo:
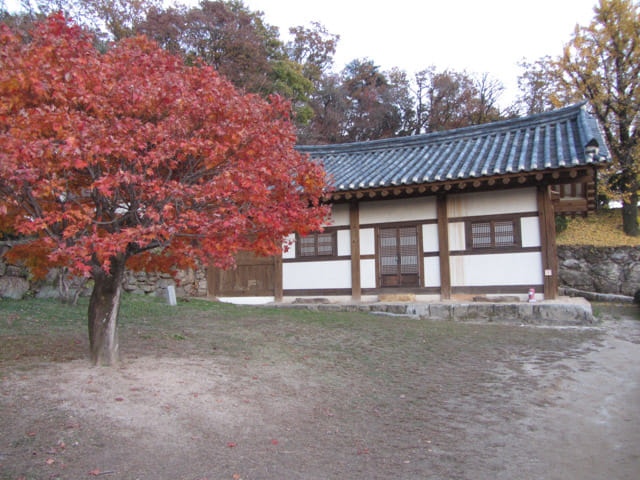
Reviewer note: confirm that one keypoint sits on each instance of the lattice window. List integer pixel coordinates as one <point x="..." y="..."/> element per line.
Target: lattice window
<point x="494" y="234"/>
<point x="317" y="245"/>
<point x="481" y="235"/>
<point x="504" y="234"/>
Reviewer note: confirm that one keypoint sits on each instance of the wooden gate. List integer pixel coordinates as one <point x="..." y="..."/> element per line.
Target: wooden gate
<point x="253" y="277"/>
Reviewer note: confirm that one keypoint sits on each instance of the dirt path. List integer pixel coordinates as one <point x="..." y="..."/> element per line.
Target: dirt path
<point x="369" y="398"/>
<point x="586" y="423"/>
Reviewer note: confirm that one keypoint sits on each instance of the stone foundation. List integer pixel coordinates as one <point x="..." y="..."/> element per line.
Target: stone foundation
<point x="567" y="312"/>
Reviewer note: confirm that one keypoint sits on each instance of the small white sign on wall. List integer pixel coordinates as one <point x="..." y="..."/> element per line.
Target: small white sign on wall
<point x="548" y="272"/>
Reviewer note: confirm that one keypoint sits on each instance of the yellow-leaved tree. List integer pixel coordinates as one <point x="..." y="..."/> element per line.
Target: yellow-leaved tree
<point x="600" y="64"/>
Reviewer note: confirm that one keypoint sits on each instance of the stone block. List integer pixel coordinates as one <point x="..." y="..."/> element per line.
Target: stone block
<point x="397" y="308"/>
<point x="461" y="312"/>
<point x="505" y="312"/>
<point x="13" y="287"/>
<point x="525" y="312"/>
<point x="563" y="314"/>
<point x="48" y="291"/>
<point x="418" y="309"/>
<point x="479" y="312"/>
<point x="15" y="271"/>
<point x="440" y="311"/>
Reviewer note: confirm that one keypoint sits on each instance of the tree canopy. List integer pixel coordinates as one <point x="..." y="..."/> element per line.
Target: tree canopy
<point x="133" y="157"/>
<point x="601" y="64"/>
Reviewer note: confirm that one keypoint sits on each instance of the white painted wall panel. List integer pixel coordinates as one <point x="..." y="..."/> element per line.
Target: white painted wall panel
<point x="530" y="229"/>
<point x="430" y="237"/>
<point x="344" y="242"/>
<point x="339" y="215"/>
<point x="368" y="273"/>
<point x="497" y="269"/>
<point x="307" y="275"/>
<point x="432" y="272"/>
<point x="456" y="236"/>
<point x="367" y="241"/>
<point x="492" y="203"/>
<point x="291" y="251"/>
<point x="400" y="210"/>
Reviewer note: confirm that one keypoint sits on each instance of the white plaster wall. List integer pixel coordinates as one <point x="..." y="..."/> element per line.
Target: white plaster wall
<point x="367" y="241"/>
<point x="430" y="237"/>
<point x="530" y="229"/>
<point x="497" y="269"/>
<point x="400" y="210"/>
<point x="456" y="236"/>
<point x="290" y="250"/>
<point x="492" y="203"/>
<point x="344" y="242"/>
<point x="432" y="272"/>
<point x="367" y="273"/>
<point x="306" y="275"/>
<point x="339" y="215"/>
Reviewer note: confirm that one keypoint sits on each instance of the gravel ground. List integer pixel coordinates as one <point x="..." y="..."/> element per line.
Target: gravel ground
<point x="360" y="397"/>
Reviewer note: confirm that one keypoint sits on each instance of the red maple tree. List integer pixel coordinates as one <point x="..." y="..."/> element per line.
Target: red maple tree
<point x="131" y="157"/>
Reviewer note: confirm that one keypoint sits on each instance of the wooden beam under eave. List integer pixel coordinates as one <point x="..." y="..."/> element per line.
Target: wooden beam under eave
<point x="354" y="226"/>
<point x="546" y="219"/>
<point x="443" y="247"/>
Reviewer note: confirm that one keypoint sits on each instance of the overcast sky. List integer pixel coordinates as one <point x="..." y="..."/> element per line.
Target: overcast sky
<point x="474" y="35"/>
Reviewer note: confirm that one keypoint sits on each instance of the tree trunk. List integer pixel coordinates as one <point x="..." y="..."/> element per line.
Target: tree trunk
<point x="104" y="307"/>
<point x="630" y="216"/>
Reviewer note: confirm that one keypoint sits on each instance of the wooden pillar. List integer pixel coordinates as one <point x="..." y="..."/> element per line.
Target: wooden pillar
<point x="443" y="247"/>
<point x="546" y="219"/>
<point x="354" y="222"/>
<point x="277" y="278"/>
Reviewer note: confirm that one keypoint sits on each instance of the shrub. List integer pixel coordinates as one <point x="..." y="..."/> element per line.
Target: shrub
<point x="561" y="223"/>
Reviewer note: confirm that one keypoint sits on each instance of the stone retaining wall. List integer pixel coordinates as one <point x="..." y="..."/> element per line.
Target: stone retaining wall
<point x="189" y="283"/>
<point x="15" y="281"/>
<point x="614" y="270"/>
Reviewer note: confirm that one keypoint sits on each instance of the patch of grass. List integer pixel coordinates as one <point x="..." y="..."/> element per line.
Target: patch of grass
<point x="602" y="228"/>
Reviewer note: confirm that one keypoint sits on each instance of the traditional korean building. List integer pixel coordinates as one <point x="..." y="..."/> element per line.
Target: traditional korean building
<point x="442" y="215"/>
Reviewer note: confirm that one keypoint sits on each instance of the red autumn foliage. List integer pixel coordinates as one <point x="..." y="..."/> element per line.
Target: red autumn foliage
<point x="132" y="154"/>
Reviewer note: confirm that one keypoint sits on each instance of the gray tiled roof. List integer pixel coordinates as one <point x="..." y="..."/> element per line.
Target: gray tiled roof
<point x="547" y="141"/>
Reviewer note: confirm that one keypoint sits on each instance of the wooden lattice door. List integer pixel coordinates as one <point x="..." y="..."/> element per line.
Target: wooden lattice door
<point x="398" y="249"/>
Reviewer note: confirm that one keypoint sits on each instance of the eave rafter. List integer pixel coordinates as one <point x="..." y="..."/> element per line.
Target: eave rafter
<point x="580" y="174"/>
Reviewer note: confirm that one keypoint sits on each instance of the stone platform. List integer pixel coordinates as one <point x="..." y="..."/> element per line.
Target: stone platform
<point x="564" y="311"/>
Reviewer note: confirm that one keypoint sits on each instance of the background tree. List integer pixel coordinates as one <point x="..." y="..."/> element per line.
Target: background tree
<point x="238" y="43"/>
<point x="538" y="86"/>
<point x="601" y="64"/>
<point x="313" y="47"/>
<point x="448" y="99"/>
<point x="132" y="158"/>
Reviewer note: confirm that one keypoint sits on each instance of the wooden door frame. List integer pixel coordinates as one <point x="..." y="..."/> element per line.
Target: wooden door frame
<point x="419" y="253"/>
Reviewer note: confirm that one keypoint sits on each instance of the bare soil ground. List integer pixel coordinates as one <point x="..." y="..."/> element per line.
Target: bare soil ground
<point x="217" y="392"/>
